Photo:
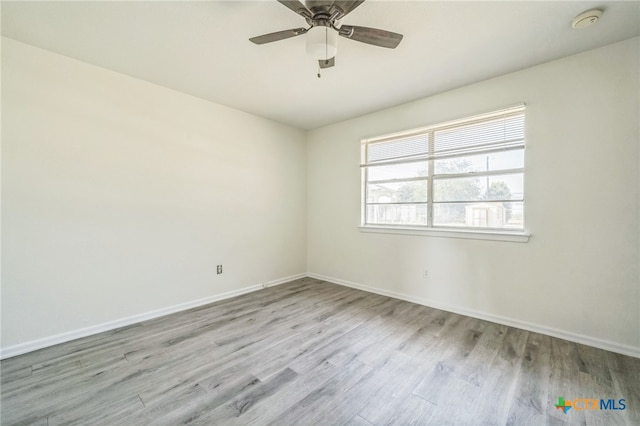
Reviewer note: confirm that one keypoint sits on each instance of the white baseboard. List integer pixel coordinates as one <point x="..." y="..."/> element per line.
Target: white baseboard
<point x="45" y="342"/>
<point x="511" y="322"/>
<point x="34" y="345"/>
<point x="283" y="280"/>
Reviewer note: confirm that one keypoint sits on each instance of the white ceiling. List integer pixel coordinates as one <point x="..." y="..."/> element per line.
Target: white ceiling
<point x="202" y="48"/>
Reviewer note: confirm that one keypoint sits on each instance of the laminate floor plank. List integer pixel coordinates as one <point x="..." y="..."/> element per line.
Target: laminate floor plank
<point x="395" y="336"/>
<point x="590" y="362"/>
<point x="443" y="358"/>
<point x="342" y="402"/>
<point x="310" y="352"/>
<point x="564" y="380"/>
<point x="355" y="340"/>
<point x="626" y="381"/>
<point x="231" y="411"/>
<point x="324" y="399"/>
<point x="593" y="388"/>
<point x="398" y="376"/>
<point x="432" y="335"/>
<point x="414" y="411"/>
<point x="164" y="407"/>
<point x="307" y="340"/>
<point x="56" y="393"/>
<point x="452" y="407"/>
<point x="104" y="410"/>
<point x="32" y="421"/>
<point x="192" y="403"/>
<point x="280" y="402"/>
<point x="362" y="342"/>
<point x="530" y="400"/>
<point x="499" y="385"/>
<point x="475" y="368"/>
<point x="358" y="421"/>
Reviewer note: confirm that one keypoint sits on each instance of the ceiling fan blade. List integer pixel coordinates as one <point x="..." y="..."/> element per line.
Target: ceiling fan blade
<point x="327" y="63"/>
<point x="297" y="7"/>
<point x="347" y="5"/>
<point x="280" y="35"/>
<point x="372" y="36"/>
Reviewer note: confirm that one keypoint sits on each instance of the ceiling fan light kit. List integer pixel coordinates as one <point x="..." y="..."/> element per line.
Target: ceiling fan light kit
<point x="324" y="17"/>
<point x="322" y="43"/>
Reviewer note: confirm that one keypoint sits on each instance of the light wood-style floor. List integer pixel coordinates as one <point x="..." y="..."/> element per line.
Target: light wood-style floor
<point x="310" y="352"/>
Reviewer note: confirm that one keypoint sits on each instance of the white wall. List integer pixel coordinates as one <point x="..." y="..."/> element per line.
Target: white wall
<point x="578" y="275"/>
<point x="120" y="197"/>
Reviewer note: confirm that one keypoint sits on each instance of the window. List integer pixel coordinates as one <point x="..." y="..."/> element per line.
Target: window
<point x="462" y="175"/>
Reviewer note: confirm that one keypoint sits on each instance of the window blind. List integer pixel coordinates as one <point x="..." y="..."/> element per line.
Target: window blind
<point x="503" y="132"/>
<point x="401" y="148"/>
<point x="499" y="130"/>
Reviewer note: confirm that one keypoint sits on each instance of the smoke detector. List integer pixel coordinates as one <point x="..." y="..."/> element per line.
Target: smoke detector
<point x="586" y="19"/>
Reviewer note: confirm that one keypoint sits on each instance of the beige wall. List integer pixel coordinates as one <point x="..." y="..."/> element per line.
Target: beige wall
<point x="119" y="197"/>
<point x="578" y="275"/>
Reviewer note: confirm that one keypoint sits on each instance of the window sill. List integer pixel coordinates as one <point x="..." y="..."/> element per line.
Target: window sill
<point x="517" y="237"/>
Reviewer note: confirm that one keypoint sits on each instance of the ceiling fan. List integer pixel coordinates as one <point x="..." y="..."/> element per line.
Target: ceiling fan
<point x="324" y="20"/>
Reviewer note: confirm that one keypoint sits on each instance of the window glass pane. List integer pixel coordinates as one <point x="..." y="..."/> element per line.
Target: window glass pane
<point x="459" y="189"/>
<point x="472" y="135"/>
<point x="397" y="192"/>
<point x="508" y="216"/>
<point x="506" y="187"/>
<point x="398" y="171"/>
<point x="448" y="176"/>
<point x="481" y="163"/>
<point x="398" y="148"/>
<point x="477" y="188"/>
<point x="397" y="214"/>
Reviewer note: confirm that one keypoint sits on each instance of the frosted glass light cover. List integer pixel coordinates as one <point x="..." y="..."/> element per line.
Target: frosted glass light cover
<point x="322" y="42"/>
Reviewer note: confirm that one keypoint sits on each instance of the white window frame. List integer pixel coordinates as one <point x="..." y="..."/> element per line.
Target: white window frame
<point x="497" y="234"/>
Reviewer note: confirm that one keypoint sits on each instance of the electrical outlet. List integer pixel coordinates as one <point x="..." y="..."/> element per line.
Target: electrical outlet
<point x="425" y="274"/>
<point x="219" y="269"/>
